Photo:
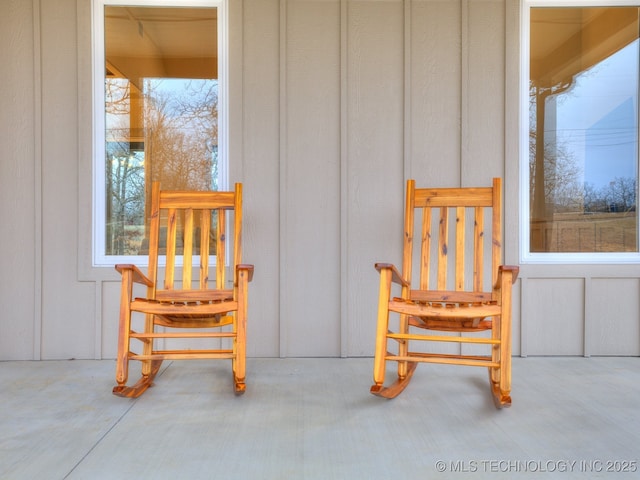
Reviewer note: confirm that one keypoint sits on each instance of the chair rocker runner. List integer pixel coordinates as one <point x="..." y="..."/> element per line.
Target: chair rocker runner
<point x="186" y="227"/>
<point x="448" y="304"/>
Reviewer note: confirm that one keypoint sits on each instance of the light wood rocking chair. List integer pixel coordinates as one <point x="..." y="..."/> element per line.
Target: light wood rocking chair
<point x="185" y="228"/>
<point x="449" y="296"/>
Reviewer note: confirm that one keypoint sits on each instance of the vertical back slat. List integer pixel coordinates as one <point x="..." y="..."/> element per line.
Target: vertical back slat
<point x="478" y="249"/>
<point x="237" y="226"/>
<point x="407" y="255"/>
<point x="154" y="232"/>
<point x="205" y="228"/>
<point x="187" y="252"/>
<point x="221" y="242"/>
<point x="460" y="247"/>
<point x="172" y="226"/>
<point x="496" y="249"/>
<point x="443" y="248"/>
<point x="425" y="254"/>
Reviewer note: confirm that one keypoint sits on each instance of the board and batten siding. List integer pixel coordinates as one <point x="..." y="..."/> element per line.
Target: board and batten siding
<point x="334" y="104"/>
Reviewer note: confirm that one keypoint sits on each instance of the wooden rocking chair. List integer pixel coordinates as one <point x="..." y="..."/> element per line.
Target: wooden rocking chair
<point x="185" y="228"/>
<point x="449" y="296"/>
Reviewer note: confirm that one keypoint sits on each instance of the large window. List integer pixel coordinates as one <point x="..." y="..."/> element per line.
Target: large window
<point x="580" y="150"/>
<point x="159" y="112"/>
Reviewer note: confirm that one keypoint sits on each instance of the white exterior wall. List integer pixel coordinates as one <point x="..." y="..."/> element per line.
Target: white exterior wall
<point x="334" y="103"/>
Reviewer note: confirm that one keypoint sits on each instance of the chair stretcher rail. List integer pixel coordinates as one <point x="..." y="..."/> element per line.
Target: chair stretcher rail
<point x="443" y="338"/>
<point x="469" y="360"/>
<point x="193" y="354"/>
<point x="183" y="335"/>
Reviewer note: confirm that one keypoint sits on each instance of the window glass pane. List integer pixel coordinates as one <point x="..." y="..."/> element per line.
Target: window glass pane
<point x="583" y="140"/>
<point x="161" y="112"/>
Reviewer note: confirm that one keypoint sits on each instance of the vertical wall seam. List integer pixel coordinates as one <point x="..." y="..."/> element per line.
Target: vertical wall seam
<point x="97" y="349"/>
<point x="344" y="184"/>
<point x="464" y="100"/>
<point x="407" y="127"/>
<point x="464" y="88"/>
<point x="284" y="312"/>
<point x="81" y="267"/>
<point x="587" y="308"/>
<point x="37" y="187"/>
<point x="511" y="160"/>
<point x="240" y="72"/>
<point x="524" y="337"/>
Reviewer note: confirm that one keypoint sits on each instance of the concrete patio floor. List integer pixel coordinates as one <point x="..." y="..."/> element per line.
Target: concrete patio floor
<point x="315" y="419"/>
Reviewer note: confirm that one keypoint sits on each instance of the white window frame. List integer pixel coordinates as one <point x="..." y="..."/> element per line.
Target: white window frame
<point x="99" y="258"/>
<point x="526" y="256"/>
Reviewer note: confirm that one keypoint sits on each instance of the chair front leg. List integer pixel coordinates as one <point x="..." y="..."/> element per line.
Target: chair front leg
<point x="505" y="333"/>
<point x="403" y="347"/>
<point x="496" y="349"/>
<point x="147" y="347"/>
<point x="501" y="332"/>
<point x="240" y="328"/>
<point x="124" y="328"/>
<point x="379" y="361"/>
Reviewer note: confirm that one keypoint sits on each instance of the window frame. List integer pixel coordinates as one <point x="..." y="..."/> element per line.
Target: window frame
<point x="526" y="256"/>
<point x="98" y="202"/>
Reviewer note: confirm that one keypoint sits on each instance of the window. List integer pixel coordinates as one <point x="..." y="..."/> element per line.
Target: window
<point x="159" y="113"/>
<point x="580" y="150"/>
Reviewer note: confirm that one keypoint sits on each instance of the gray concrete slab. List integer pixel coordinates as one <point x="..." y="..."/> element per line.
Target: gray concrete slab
<point x="315" y="419"/>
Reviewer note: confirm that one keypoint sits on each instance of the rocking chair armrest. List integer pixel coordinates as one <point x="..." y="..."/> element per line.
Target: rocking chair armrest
<point x="137" y="275"/>
<point x="507" y="268"/>
<point x="395" y="274"/>
<point x="248" y="268"/>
